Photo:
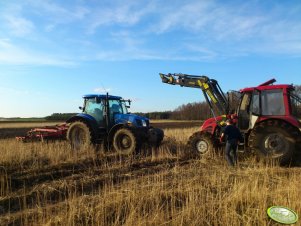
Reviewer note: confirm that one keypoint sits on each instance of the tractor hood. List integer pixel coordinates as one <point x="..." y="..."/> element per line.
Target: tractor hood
<point x="135" y="120"/>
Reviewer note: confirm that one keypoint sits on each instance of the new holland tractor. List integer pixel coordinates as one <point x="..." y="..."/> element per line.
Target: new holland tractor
<point x="105" y="120"/>
<point x="268" y="115"/>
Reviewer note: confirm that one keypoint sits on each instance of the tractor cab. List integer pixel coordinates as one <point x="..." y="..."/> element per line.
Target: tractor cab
<point x="267" y="101"/>
<point x="108" y="110"/>
<point x="104" y="108"/>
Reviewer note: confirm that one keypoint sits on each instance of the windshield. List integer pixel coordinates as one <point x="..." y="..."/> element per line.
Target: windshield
<point x="117" y="106"/>
<point x="94" y="108"/>
<point x="124" y="108"/>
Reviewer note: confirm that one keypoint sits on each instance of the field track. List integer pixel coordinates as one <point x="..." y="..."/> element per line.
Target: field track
<point x="55" y="184"/>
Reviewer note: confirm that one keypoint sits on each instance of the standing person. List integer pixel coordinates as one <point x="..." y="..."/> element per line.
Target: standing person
<point x="232" y="136"/>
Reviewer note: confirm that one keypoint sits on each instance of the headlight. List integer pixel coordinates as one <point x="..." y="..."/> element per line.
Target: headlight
<point x="144" y="124"/>
<point x="141" y="122"/>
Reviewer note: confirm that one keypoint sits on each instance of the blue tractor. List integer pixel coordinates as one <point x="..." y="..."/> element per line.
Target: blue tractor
<point x="105" y="121"/>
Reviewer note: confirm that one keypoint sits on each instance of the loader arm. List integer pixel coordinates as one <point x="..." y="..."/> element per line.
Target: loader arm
<point x="214" y="96"/>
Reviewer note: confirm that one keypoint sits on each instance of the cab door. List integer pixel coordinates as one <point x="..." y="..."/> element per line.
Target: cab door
<point x="244" y="112"/>
<point x="249" y="110"/>
<point x="95" y="108"/>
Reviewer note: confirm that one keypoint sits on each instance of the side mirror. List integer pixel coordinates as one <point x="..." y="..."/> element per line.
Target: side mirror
<point x="81" y="108"/>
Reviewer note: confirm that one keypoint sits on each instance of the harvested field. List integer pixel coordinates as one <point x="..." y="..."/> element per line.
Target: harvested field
<point x="168" y="124"/>
<point x="48" y="184"/>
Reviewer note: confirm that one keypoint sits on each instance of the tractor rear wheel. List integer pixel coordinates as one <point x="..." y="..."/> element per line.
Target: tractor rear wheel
<point x="201" y="143"/>
<point x="125" y="141"/>
<point x="273" y="140"/>
<point x="79" y="135"/>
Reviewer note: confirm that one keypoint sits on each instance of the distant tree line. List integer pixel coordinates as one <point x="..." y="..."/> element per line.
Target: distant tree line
<point x="156" y="114"/>
<point x="190" y="111"/>
<point x="59" y="116"/>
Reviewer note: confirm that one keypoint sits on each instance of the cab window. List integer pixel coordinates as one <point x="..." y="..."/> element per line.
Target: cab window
<point x="115" y="108"/>
<point x="272" y="102"/>
<point x="94" y="108"/>
<point x="296" y="105"/>
<point x="255" y="103"/>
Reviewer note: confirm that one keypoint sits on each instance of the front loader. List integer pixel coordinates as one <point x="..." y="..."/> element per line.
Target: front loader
<point x="268" y="115"/>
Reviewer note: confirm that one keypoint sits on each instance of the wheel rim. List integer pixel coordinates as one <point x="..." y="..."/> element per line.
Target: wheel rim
<point x="275" y="145"/>
<point x="124" y="142"/>
<point x="202" y="147"/>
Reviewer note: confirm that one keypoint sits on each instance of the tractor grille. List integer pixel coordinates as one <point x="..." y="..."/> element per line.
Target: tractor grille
<point x="139" y="122"/>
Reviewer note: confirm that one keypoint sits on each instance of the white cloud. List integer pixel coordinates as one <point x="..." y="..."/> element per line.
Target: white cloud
<point x="199" y="30"/>
<point x="12" y="54"/>
<point x="59" y="13"/>
<point x="15" y="22"/>
<point x="128" y="14"/>
<point x="8" y="91"/>
<point x="102" y="90"/>
<point x="192" y="16"/>
<point x="143" y="30"/>
<point x="210" y="19"/>
<point x="18" y="25"/>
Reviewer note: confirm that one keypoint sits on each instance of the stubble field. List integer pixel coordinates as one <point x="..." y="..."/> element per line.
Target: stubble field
<point x="48" y="184"/>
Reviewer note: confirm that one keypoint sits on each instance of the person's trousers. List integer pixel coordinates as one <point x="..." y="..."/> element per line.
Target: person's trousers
<point x="230" y="152"/>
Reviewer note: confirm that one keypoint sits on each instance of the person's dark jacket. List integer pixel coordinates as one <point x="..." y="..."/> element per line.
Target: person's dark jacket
<point x="231" y="132"/>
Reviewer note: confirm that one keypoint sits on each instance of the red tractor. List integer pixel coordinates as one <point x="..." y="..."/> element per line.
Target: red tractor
<point x="268" y="115"/>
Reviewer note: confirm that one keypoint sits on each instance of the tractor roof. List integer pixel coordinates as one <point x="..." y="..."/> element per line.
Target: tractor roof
<point x="267" y="86"/>
<point x="101" y="96"/>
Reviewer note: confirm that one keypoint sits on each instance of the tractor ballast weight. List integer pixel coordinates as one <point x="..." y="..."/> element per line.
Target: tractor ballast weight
<point x="268" y="116"/>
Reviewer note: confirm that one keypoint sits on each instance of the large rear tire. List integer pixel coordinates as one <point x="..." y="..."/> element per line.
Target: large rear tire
<point x="125" y="141"/>
<point x="201" y="143"/>
<point x="80" y="136"/>
<point x="274" y="140"/>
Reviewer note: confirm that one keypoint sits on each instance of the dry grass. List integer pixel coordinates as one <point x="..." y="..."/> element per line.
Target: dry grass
<point x="47" y="184"/>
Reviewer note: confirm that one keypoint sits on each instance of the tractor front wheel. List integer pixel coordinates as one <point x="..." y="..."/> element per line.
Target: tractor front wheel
<point x="201" y="143"/>
<point x="79" y="135"/>
<point x="155" y="136"/>
<point x="125" y="141"/>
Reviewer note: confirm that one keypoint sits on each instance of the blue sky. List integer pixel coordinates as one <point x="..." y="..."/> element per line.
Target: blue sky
<point x="53" y="52"/>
